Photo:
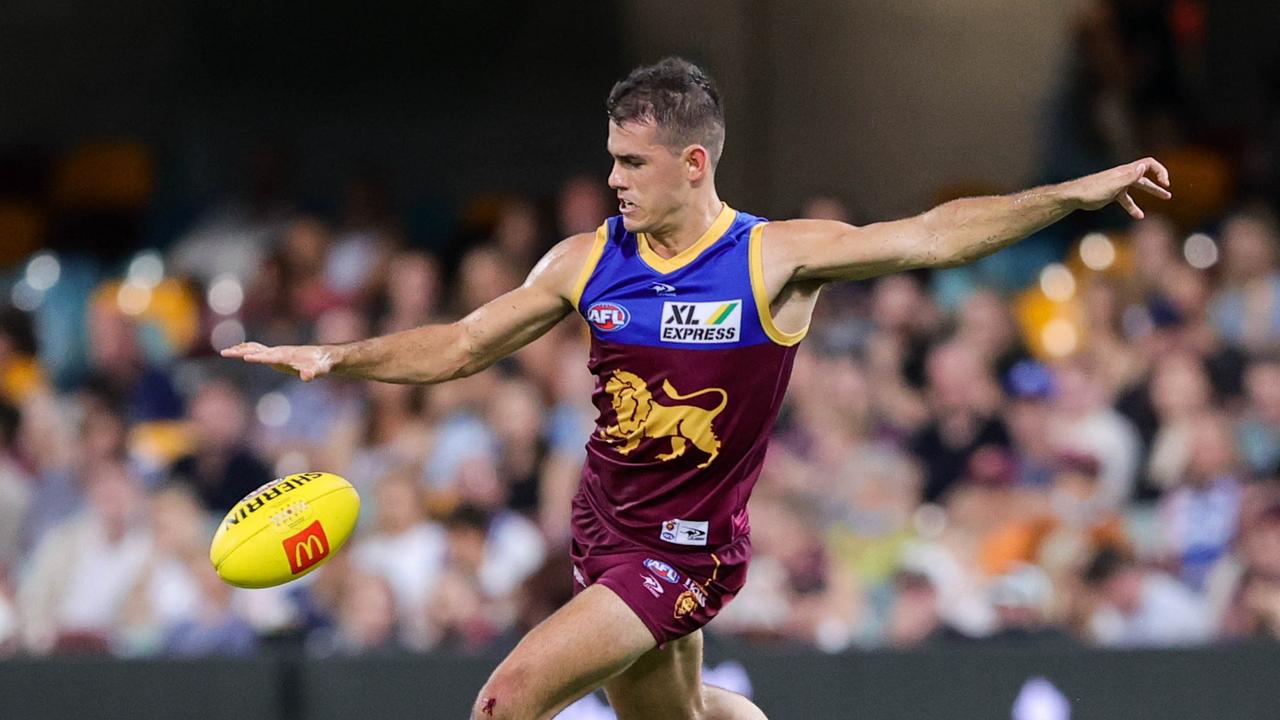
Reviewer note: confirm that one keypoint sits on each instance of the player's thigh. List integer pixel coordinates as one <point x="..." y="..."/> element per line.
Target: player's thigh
<point x="663" y="683"/>
<point x="566" y="656"/>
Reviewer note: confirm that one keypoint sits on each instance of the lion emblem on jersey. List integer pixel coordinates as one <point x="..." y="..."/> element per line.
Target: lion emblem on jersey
<point x="639" y="416"/>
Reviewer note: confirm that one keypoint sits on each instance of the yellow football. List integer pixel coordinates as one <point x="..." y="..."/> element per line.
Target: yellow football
<point x="284" y="529"/>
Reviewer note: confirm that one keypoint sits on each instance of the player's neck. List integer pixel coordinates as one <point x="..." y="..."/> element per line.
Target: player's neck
<point x="687" y="227"/>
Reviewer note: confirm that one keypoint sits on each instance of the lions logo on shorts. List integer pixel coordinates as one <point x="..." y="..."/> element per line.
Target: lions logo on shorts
<point x="685" y="604"/>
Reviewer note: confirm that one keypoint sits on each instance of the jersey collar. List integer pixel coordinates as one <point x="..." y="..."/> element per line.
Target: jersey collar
<point x="668" y="265"/>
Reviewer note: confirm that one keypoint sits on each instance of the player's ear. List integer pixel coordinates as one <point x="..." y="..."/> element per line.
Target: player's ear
<point x="697" y="162"/>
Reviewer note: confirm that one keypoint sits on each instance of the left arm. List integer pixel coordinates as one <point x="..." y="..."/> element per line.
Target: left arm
<point x="951" y="234"/>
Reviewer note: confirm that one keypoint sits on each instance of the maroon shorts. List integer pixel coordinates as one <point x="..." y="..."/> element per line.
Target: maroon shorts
<point x="674" y="592"/>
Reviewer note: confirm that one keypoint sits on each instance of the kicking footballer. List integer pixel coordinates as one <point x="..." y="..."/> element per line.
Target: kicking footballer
<point x="695" y="311"/>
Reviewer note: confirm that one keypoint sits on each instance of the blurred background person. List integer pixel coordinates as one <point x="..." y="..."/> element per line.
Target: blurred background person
<point x="222" y="467"/>
<point x="72" y="595"/>
<point x="1140" y="607"/>
<point x="404" y="550"/>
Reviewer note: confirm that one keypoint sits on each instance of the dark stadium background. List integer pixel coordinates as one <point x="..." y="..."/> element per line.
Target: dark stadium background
<point x="458" y="140"/>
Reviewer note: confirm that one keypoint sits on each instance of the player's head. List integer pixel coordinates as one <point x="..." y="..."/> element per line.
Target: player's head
<point x="666" y="132"/>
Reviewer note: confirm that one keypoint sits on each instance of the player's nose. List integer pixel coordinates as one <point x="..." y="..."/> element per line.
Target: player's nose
<point x="616" y="181"/>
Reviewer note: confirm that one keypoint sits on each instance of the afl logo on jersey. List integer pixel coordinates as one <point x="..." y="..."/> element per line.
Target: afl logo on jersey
<point x="608" y="316"/>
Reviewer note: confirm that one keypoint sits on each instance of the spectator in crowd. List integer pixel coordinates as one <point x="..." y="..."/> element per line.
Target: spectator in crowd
<point x="517" y="236"/>
<point x="1029" y="416"/>
<point x="460" y="613"/>
<point x="10" y="640"/>
<point x="396" y="435"/>
<point x="404" y="549"/>
<point x="985" y="326"/>
<point x="304" y="245"/>
<point x="1140" y="607"/>
<point x="66" y="463"/>
<point x="365" y="622"/>
<point x="963" y="400"/>
<point x="15" y="489"/>
<point x="319" y="424"/>
<point x="1254" y="609"/>
<point x="915" y="616"/>
<point x="515" y="413"/>
<point x="120" y="365"/>
<point x="232" y="237"/>
<point x="1108" y="346"/>
<point x="581" y="205"/>
<point x="1246" y="309"/>
<point x="1258" y="430"/>
<point x="762" y="609"/>
<point x="411" y="292"/>
<point x="72" y="595"/>
<point x="483" y="274"/>
<point x="222" y="468"/>
<point x="21" y="375"/>
<point x="214" y="627"/>
<point x="167" y="593"/>
<point x="366" y="239"/>
<point x="513" y="547"/>
<point x="906" y="323"/>
<point x="1180" y="393"/>
<point x="1021" y="599"/>
<point x="1200" y="518"/>
<point x="1089" y="425"/>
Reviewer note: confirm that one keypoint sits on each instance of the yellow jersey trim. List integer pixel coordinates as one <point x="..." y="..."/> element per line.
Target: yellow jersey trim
<point x="762" y="294"/>
<point x="691" y="253"/>
<point x="593" y="259"/>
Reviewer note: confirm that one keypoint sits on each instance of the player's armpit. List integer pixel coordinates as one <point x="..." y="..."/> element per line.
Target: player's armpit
<point x="825" y="250"/>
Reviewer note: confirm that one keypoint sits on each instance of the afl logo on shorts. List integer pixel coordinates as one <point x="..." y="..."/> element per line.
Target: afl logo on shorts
<point x="608" y="316"/>
<point x="662" y="570"/>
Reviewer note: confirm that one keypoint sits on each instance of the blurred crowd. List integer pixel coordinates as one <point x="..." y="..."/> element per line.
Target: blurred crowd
<point x="1086" y="452"/>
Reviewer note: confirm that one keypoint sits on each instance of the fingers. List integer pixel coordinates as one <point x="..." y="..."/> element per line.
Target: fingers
<point x="268" y="356"/>
<point x="1148" y="186"/>
<point x="279" y="358"/>
<point x="1160" y="171"/>
<point x="1131" y="207"/>
<point x="244" y="348"/>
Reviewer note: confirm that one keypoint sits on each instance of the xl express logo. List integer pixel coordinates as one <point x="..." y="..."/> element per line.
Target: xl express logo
<point x="608" y="316"/>
<point x="718" y="321"/>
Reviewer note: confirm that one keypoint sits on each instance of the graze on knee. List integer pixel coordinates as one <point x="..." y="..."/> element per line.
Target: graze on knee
<point x="487" y="705"/>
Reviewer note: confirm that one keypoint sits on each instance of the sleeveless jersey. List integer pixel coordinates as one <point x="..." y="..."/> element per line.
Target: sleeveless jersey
<point x="690" y="373"/>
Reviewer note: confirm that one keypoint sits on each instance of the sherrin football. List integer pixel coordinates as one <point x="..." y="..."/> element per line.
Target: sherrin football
<point x="284" y="529"/>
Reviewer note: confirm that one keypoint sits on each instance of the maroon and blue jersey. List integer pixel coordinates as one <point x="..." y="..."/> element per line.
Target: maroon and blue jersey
<point x="690" y="373"/>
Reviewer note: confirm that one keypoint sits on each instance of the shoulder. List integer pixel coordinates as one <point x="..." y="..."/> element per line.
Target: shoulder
<point x="560" y="267"/>
<point x="804" y="231"/>
<point x="788" y="247"/>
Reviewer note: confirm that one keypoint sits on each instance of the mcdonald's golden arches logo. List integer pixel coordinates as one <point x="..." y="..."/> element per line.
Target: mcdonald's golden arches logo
<point x="306" y="548"/>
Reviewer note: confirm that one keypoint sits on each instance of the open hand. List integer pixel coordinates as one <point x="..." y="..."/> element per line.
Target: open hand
<point x="308" y="362"/>
<point x="1117" y="184"/>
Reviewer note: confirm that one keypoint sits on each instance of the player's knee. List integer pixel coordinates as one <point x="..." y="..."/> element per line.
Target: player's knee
<point x="507" y="694"/>
<point x="720" y="704"/>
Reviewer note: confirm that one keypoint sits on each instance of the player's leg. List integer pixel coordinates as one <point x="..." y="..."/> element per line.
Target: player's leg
<point x="667" y="683"/>
<point x="566" y="656"/>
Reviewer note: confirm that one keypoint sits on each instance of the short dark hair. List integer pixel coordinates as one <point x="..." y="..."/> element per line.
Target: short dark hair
<point x="1108" y="562"/>
<point x="677" y="96"/>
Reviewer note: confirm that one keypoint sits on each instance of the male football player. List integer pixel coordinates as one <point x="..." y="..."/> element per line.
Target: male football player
<point x="696" y="311"/>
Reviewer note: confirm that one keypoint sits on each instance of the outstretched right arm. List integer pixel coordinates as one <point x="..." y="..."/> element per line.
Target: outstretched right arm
<point x="436" y="353"/>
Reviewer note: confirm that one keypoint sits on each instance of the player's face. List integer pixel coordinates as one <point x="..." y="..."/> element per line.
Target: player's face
<point x="651" y="180"/>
